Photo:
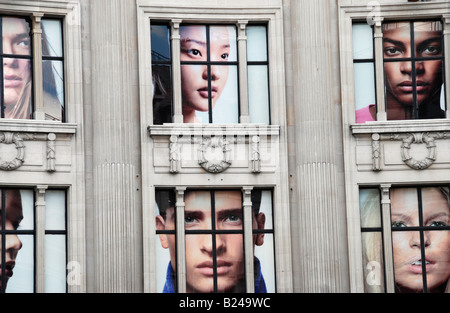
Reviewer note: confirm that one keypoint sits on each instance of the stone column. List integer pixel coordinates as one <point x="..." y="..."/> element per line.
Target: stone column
<point x="116" y="213"/>
<point x="319" y="241"/>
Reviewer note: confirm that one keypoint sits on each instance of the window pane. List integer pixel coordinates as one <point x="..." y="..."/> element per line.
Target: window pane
<point x="207" y="74"/>
<point x="16" y="36"/>
<point x="22" y="275"/>
<point x="420" y="238"/>
<point x="362" y="41"/>
<point x="364" y="77"/>
<point x="258" y="94"/>
<point x="162" y="94"/>
<point x="55" y="210"/>
<point x="226" y="109"/>
<point x="214" y="241"/>
<point x="160" y="41"/>
<point x="165" y="241"/>
<point x="256" y="43"/>
<point x="53" y="89"/>
<point x="370" y="207"/>
<point x="413" y="69"/>
<point x="52" y="38"/>
<point x="373" y="267"/>
<point x="264" y="261"/>
<point x="17" y="88"/>
<point x="55" y="263"/>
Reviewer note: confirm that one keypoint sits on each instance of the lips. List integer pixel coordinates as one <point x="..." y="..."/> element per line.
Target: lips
<point x="204" y="92"/>
<point x="207" y="268"/>
<point x="9" y="269"/>
<point x="416" y="266"/>
<point x="12" y="81"/>
<point x="408" y="86"/>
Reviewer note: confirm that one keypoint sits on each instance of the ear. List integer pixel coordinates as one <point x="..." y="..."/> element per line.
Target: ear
<point x="161" y="225"/>
<point x="260" y="222"/>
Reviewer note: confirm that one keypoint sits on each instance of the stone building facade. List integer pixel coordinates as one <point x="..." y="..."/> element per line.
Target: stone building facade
<point x="296" y="78"/>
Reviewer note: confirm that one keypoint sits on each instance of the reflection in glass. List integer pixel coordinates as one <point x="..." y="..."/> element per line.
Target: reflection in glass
<point x="371" y="236"/>
<point x="161" y="74"/>
<point x="420" y="238"/>
<point x="413" y="69"/>
<point x="165" y="241"/>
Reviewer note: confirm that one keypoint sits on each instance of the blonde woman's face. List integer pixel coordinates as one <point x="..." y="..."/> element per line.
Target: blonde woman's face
<point x="16" y="71"/>
<point x="407" y="244"/>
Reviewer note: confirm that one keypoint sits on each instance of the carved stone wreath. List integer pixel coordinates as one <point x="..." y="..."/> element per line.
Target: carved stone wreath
<point x="419" y="138"/>
<point x="214" y="154"/>
<point x="13" y="138"/>
<point x="428" y="138"/>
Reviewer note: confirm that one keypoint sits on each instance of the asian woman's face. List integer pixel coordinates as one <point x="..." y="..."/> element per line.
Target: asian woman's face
<point x="201" y="82"/>
<point x="399" y="74"/>
<point x="407" y="244"/>
<point x="16" y="71"/>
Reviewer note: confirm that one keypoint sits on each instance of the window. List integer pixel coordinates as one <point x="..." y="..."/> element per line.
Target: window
<point x="26" y="52"/>
<point x="33" y="228"/>
<point x="210" y="79"/>
<point x="216" y="249"/>
<point x="413" y="64"/>
<point x="419" y="219"/>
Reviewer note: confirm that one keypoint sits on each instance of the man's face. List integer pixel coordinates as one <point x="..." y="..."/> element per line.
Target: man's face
<point x="207" y="254"/>
<point x="12" y="242"/>
<point x="399" y="74"/>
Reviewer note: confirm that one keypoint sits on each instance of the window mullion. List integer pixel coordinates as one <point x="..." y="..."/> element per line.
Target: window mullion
<point x="248" y="239"/>
<point x="40" y="238"/>
<point x="180" y="240"/>
<point x="176" y="71"/>
<point x="243" y="79"/>
<point x="446" y="32"/>
<point x="379" y="70"/>
<point x="387" y="238"/>
<point x="39" y="113"/>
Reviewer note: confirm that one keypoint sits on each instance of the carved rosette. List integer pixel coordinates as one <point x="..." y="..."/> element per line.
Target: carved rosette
<point x="214" y="154"/>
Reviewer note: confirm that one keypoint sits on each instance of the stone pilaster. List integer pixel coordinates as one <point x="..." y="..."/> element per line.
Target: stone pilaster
<point x="117" y="246"/>
<point x="318" y="208"/>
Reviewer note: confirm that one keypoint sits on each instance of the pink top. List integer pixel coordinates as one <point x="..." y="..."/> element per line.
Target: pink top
<point x="363" y="115"/>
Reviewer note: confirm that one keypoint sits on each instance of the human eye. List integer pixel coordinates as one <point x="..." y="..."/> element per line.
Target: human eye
<point x="438" y="224"/>
<point x="398" y="224"/>
<point x="392" y="52"/>
<point x="225" y="56"/>
<point x="194" y="52"/>
<point x="432" y="50"/>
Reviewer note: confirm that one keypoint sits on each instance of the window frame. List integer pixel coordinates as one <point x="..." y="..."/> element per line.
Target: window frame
<point x="56" y="132"/>
<point x="38" y="232"/>
<point x="378" y="14"/>
<point x="247" y="231"/>
<point x="386" y="229"/>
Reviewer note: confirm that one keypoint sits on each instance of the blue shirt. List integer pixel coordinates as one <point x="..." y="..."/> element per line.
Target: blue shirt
<point x="260" y="284"/>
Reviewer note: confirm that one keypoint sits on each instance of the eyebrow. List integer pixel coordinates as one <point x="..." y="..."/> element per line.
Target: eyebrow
<point x="402" y="217"/>
<point x="199" y="42"/>
<point x="395" y="42"/>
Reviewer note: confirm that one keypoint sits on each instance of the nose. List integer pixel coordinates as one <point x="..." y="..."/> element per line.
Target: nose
<point x="406" y="67"/>
<point x="206" y="243"/>
<point x="8" y="62"/>
<point x="213" y="73"/>
<point x="415" y="240"/>
<point x="13" y="245"/>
